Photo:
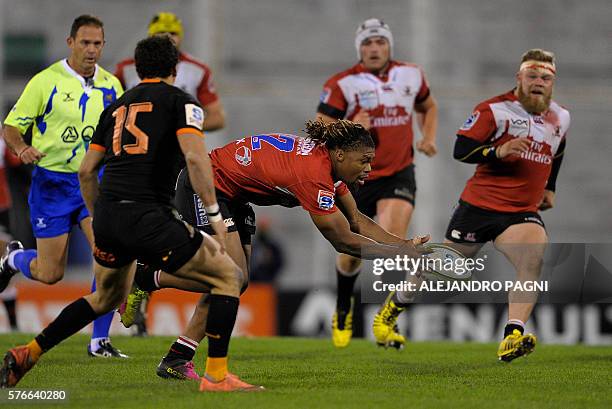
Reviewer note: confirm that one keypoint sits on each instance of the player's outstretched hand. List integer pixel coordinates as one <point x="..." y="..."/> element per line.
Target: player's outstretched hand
<point x="418" y="240"/>
<point x="414" y="247"/>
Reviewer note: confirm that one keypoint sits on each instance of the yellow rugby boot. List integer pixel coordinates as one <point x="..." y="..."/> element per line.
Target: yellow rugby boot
<point x="342" y="327"/>
<point x="516" y="345"/>
<point x="385" y="325"/>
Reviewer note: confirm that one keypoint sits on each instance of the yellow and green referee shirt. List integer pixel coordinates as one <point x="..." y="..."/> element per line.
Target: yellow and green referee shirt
<point x="63" y="109"/>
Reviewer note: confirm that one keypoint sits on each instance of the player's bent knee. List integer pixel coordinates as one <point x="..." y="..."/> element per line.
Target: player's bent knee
<point x="232" y="282"/>
<point x="50" y="278"/>
<point x="102" y="303"/>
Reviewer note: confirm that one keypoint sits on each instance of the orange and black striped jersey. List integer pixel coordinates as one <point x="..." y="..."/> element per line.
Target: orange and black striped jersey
<point x="138" y="134"/>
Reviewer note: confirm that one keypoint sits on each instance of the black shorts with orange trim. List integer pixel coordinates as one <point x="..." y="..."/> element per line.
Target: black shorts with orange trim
<point x="471" y="224"/>
<point x="151" y="233"/>
<point x="238" y="216"/>
<point x="401" y="185"/>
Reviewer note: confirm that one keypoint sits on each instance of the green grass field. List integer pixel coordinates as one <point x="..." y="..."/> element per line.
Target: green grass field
<point x="310" y="373"/>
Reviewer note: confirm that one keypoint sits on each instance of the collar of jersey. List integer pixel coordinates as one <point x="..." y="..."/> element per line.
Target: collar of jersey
<point x="150" y="80"/>
<point x="384" y="77"/>
<point x="511" y="96"/>
<point x="78" y="76"/>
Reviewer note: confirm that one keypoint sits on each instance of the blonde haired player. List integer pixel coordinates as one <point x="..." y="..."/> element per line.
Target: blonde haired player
<point x="517" y="140"/>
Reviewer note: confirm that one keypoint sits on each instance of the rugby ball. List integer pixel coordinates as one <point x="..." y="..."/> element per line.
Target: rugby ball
<point x="446" y="264"/>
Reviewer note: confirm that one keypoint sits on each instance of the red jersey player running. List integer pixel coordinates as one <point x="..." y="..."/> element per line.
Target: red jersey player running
<point x="381" y="94"/>
<point x="517" y="140"/>
<point x="286" y="170"/>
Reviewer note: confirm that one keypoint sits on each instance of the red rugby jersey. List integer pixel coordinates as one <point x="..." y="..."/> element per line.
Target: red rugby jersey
<point x="277" y="169"/>
<point x="515" y="184"/>
<point x="192" y="76"/>
<point x="389" y="100"/>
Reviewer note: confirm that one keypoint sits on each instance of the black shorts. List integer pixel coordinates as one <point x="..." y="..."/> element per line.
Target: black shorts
<point x="153" y="234"/>
<point x="401" y="185"/>
<point x="471" y="224"/>
<point x="238" y="216"/>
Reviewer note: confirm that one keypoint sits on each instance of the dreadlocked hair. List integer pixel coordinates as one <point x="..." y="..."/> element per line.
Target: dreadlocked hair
<point x="341" y="134"/>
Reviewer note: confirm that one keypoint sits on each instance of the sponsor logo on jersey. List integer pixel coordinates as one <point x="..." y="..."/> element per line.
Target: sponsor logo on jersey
<point x="470" y="237"/>
<point x="325" y="200"/>
<point x="368" y="99"/>
<point x="537" y="157"/>
<point x="194" y="116"/>
<point x="243" y="156"/>
<point x="536" y="153"/>
<point x="538" y="119"/>
<point x="400" y="120"/>
<point x="469" y="123"/>
<point x="70" y="134"/>
<point x="519" y="123"/>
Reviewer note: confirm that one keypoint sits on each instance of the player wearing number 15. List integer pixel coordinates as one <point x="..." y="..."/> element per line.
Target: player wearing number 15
<point x="62" y="105"/>
<point x="141" y="139"/>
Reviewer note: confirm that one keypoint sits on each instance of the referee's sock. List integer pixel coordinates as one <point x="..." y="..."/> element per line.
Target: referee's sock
<point x="20" y="260"/>
<point x="73" y="318"/>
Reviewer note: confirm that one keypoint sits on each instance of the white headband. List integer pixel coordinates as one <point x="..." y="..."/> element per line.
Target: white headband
<point x="371" y="28"/>
<point x="538" y="65"/>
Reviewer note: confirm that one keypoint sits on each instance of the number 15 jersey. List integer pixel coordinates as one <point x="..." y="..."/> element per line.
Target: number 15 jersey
<point x="138" y="134"/>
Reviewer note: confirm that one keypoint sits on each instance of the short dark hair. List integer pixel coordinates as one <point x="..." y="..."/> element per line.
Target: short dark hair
<point x="155" y="57"/>
<point x="537" y="54"/>
<point x="341" y="134"/>
<point x="85" y="20"/>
